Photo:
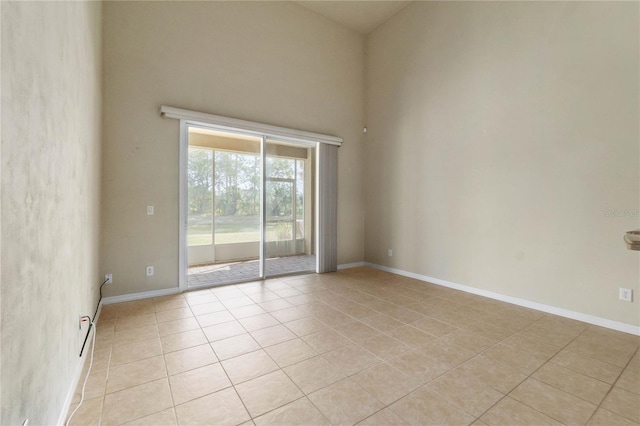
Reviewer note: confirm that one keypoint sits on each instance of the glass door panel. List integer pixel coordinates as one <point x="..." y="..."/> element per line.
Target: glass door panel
<point x="223" y="220"/>
<point x="288" y="244"/>
<point x="200" y="211"/>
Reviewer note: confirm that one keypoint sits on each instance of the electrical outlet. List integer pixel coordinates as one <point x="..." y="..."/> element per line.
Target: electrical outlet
<point x="390" y="252"/>
<point x="82" y="319"/>
<point x="150" y="210"/>
<point x="108" y="278"/>
<point x="626" y="294"/>
<point x="149" y="271"/>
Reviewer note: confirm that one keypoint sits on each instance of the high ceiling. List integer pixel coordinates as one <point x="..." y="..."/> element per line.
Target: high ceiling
<point x="360" y="15"/>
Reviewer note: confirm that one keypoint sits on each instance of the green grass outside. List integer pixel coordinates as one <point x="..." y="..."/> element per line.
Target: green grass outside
<point x="223" y="238"/>
<point x="233" y="229"/>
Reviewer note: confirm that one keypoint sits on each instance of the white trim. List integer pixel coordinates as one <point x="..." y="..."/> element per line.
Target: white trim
<point x="142" y="295"/>
<point x="248" y="127"/>
<point x="72" y="390"/>
<point x="351" y="265"/>
<point x="183" y="192"/>
<point x="591" y="319"/>
<point x="316" y="208"/>
<point x="77" y="376"/>
<point x="262" y="261"/>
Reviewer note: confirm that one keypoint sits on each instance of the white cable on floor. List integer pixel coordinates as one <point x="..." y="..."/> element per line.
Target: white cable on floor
<point x="93" y="347"/>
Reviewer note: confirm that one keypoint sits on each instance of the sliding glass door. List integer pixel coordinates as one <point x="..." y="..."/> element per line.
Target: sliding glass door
<point x="250" y="207"/>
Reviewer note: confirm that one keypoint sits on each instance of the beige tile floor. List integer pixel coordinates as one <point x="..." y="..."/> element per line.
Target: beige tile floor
<point x="358" y="346"/>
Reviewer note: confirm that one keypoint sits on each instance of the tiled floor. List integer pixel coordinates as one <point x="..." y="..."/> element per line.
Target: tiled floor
<point x="207" y="275"/>
<point x="359" y="346"/>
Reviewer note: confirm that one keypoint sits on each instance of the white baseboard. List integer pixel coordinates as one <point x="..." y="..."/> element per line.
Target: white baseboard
<point x="71" y="392"/>
<point x="76" y="375"/>
<point x="591" y="319"/>
<point x="351" y="265"/>
<point x="138" y="296"/>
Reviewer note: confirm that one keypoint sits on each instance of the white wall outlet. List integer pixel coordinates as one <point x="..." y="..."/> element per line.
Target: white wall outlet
<point x="390" y="252"/>
<point x="149" y="271"/>
<point x="108" y="278"/>
<point x="150" y="210"/>
<point x="626" y="294"/>
<point x="82" y="320"/>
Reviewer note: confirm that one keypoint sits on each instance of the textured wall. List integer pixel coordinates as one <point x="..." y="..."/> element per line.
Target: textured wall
<point x="50" y="200"/>
<point x="500" y="133"/>
<point x="270" y="62"/>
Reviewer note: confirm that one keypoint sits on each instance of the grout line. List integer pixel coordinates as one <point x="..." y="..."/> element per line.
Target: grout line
<point x="166" y="370"/>
<point x="232" y="384"/>
<point x="104" y="393"/>
<point x="613" y="386"/>
<point x="469" y="360"/>
<point x="528" y="376"/>
<point x="532" y="378"/>
<point x="345" y="294"/>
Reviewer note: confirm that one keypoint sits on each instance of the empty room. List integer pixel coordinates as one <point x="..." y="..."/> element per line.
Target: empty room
<point x="320" y="213"/>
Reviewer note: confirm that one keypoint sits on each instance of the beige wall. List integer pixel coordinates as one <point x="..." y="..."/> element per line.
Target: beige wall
<point x="499" y="134"/>
<point x="270" y="62"/>
<point x="50" y="200"/>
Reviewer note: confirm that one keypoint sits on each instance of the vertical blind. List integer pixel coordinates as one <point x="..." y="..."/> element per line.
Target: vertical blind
<point x="327" y="193"/>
